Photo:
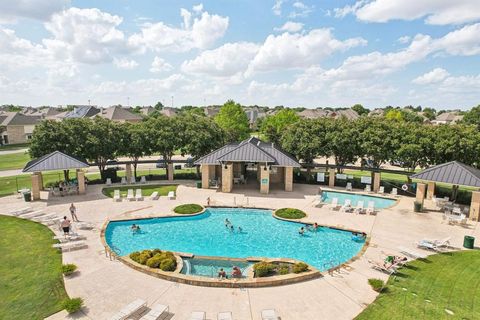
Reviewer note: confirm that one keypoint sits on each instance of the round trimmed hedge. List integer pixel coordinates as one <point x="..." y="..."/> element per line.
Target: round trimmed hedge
<point x="290" y="213"/>
<point x="188" y="208"/>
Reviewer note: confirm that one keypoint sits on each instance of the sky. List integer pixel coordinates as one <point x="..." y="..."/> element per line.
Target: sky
<point x="324" y="53"/>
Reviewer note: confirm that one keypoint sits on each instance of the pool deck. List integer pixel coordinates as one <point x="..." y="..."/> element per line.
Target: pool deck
<point x="106" y="286"/>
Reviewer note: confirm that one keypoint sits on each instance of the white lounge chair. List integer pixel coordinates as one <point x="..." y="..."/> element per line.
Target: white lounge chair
<point x="124" y="180"/>
<point x="70" y="238"/>
<point x="138" y="195"/>
<point x="371" y="207"/>
<point x="130" y="309"/>
<point x="359" y="208"/>
<point x="368" y="188"/>
<point x="394" y="192"/>
<point x="461" y="219"/>
<point x="381" y="267"/>
<point x="435" y="245"/>
<point x="412" y="253"/>
<point x="198" y="315"/>
<point x="45" y="217"/>
<point x="130" y="196"/>
<point x="347" y="206"/>
<point x="269" y="314"/>
<point x="143" y="180"/>
<point x="33" y="214"/>
<point x="69" y="246"/>
<point x="334" y="204"/>
<point x="132" y="180"/>
<point x="84" y="225"/>
<point x="171" y="195"/>
<point x="381" y="190"/>
<point x="108" y="182"/>
<point x="157" y="311"/>
<point x="224" y="316"/>
<point x="116" y="196"/>
<point x="154" y="196"/>
<point x="349" y="186"/>
<point x="21" y="211"/>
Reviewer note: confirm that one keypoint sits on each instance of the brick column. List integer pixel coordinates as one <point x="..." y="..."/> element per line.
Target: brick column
<point x="170" y="171"/>
<point x="331" y="178"/>
<point x="475" y="206"/>
<point x="205" y="176"/>
<point x="421" y="187"/>
<point x="264" y="180"/>
<point x="376" y="181"/>
<point x="81" y="181"/>
<point x="36" y="185"/>
<point x="430" y="190"/>
<point x="128" y="172"/>
<point x="227" y="177"/>
<point x="288" y="178"/>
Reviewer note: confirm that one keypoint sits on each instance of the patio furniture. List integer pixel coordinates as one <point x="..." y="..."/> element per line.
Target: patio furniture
<point x="84" y="225"/>
<point x="457" y="210"/>
<point x="454" y="219"/>
<point x="108" y="182"/>
<point x="130" y="196"/>
<point x="381" y="190"/>
<point x="158" y="311"/>
<point x="45" y="217"/>
<point x="371" y="208"/>
<point x="347" y="206"/>
<point x="224" y="316"/>
<point x="124" y="180"/>
<point x="368" y="188"/>
<point x="359" y="208"/>
<point x="171" y="195"/>
<point x="334" y="204"/>
<point x="436" y="245"/>
<point x="269" y="314"/>
<point x="116" y="195"/>
<point x="349" y="186"/>
<point x="129" y="310"/>
<point x="21" y="211"/>
<point x="394" y="192"/>
<point x="143" y="180"/>
<point x="132" y="180"/>
<point x="69" y="246"/>
<point x="381" y="267"/>
<point x="236" y="180"/>
<point x="412" y="253"/>
<point x="32" y="214"/>
<point x="138" y="195"/>
<point x="198" y="315"/>
<point x="154" y="196"/>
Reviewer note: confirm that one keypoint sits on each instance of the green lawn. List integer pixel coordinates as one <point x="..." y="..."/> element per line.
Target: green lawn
<point x="147" y="190"/>
<point x="14" y="160"/>
<point x="31" y="282"/>
<point x="424" y="289"/>
<point x="14" y="146"/>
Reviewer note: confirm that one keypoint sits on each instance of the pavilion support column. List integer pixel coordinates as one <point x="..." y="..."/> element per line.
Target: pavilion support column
<point x="259" y="168"/>
<point x="431" y="190"/>
<point x="227" y="177"/>
<point x="288" y="178"/>
<point x="475" y="206"/>
<point x="81" y="181"/>
<point x="36" y="185"/>
<point x="40" y="176"/>
<point x="376" y="181"/>
<point x="331" y="177"/>
<point x="264" y="179"/>
<point x="421" y="187"/>
<point x="128" y="172"/>
<point x="170" y="171"/>
<point x="205" y="176"/>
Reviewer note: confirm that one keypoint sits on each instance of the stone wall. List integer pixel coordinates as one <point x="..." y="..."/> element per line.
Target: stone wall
<point x="16" y="134"/>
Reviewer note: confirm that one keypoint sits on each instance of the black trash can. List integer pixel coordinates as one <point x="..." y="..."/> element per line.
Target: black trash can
<point x="27" y="196"/>
<point x="199" y="184"/>
<point x="468" y="242"/>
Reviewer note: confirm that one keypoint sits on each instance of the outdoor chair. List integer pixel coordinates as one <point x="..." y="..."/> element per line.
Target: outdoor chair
<point x="359" y="208"/>
<point x="349" y="186"/>
<point x="334" y="204"/>
<point x="371" y="207"/>
<point x="368" y="188"/>
<point x="381" y="190"/>
<point x="33" y="214"/>
<point x="171" y="195"/>
<point x="108" y="182"/>
<point x="381" y="267"/>
<point x="394" y="192"/>
<point x="69" y="246"/>
<point x="116" y="195"/>
<point x="138" y="195"/>
<point x="412" y="253"/>
<point x="124" y="180"/>
<point x="130" y="309"/>
<point x="132" y="180"/>
<point x="143" y="180"/>
<point x="154" y="196"/>
<point x="461" y="219"/>
<point x="158" y="311"/>
<point x="347" y="206"/>
<point x="21" y="211"/>
<point x="436" y="245"/>
<point x="130" y="195"/>
<point x="269" y="314"/>
<point x="224" y="316"/>
<point x="198" y="315"/>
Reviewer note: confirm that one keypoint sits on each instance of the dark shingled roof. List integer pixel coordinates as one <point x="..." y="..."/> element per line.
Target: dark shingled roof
<point x="454" y="172"/>
<point x="55" y="161"/>
<point x="250" y="150"/>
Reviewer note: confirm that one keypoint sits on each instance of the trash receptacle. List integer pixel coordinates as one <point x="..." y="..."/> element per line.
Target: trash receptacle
<point x="468" y="242"/>
<point x="199" y="184"/>
<point x="27" y="196"/>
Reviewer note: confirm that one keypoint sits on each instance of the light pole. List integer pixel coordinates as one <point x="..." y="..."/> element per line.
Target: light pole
<point x="172" y="101"/>
<point x="88" y="102"/>
<point x="128" y="101"/>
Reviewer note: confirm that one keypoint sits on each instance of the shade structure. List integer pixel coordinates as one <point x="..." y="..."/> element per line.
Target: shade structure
<point x="56" y="160"/>
<point x="454" y="172"/>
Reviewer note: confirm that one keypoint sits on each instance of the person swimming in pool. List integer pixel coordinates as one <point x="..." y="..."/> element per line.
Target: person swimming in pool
<point x="315" y="226"/>
<point x="222" y="274"/>
<point x="232" y="228"/>
<point x="236" y="272"/>
<point x="240" y="229"/>
<point x="135" y="228"/>
<point x="227" y="223"/>
<point x="301" y="231"/>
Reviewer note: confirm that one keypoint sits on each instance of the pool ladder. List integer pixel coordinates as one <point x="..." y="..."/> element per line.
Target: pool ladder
<point x="112" y="252"/>
<point x="329" y="265"/>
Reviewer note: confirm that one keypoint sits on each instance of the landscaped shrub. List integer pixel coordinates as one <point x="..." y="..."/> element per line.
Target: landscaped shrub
<point x="72" y="305"/>
<point x="154" y="262"/>
<point x="144" y="256"/>
<point x="135" y="256"/>
<point x="283" y="269"/>
<point x="188" y="208"/>
<point x="263" y="269"/>
<point x="290" y="213"/>
<point x="155" y="259"/>
<point x="300" y="267"/>
<point x="168" y="265"/>
<point x="376" y="284"/>
<point x="68" y="269"/>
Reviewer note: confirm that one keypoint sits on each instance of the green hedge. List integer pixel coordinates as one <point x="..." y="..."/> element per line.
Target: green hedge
<point x="188" y="208"/>
<point x="72" y="305"/>
<point x="290" y="213"/>
<point x="157" y="259"/>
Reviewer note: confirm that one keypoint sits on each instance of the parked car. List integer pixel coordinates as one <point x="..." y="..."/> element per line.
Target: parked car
<point x="189" y="163"/>
<point x="160" y="164"/>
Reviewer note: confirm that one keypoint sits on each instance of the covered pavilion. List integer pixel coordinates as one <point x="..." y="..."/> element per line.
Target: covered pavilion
<point x="246" y="161"/>
<point x="56" y="160"/>
<point x="454" y="173"/>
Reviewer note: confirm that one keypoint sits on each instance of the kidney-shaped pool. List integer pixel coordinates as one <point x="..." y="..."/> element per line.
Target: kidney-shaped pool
<point x="261" y="235"/>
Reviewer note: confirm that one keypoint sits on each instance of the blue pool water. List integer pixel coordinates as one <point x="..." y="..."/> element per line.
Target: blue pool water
<point x="210" y="268"/>
<point x="262" y="236"/>
<point x="380" y="203"/>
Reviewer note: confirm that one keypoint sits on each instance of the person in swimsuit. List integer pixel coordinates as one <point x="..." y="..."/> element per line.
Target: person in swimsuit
<point x="73" y="212"/>
<point x="222" y="274"/>
<point x="65" y="225"/>
<point x="301" y="231"/>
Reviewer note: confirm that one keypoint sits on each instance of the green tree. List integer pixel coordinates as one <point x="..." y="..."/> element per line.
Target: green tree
<point x="455" y="142"/>
<point x="342" y="140"/>
<point x="472" y="116"/>
<point x="429" y="113"/>
<point x="158" y="106"/>
<point x="234" y="121"/>
<point x="412" y="145"/>
<point x="375" y="138"/>
<point x="361" y="110"/>
<point x="134" y="142"/>
<point x="273" y="126"/>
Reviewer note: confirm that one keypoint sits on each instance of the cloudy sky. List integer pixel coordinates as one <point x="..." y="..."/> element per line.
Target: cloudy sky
<point x="268" y="52"/>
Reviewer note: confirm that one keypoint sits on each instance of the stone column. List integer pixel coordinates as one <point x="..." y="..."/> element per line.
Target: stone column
<point x="40" y="176"/>
<point x="205" y="176"/>
<point x="421" y="187"/>
<point x="430" y="190"/>
<point x="376" y="181"/>
<point x="128" y="172"/>
<point x="264" y="180"/>
<point x="170" y="171"/>
<point x="475" y="206"/>
<point x="259" y="167"/>
<point x="227" y="177"/>
<point x="36" y="185"/>
<point x="331" y="178"/>
<point x="81" y="181"/>
<point x="288" y="178"/>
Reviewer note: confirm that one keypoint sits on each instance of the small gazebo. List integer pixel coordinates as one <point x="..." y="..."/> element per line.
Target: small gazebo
<point x="56" y="160"/>
<point x="454" y="173"/>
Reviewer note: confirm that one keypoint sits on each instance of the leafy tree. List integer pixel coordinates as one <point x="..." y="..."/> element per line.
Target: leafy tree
<point x="342" y="141"/>
<point x="134" y="142"/>
<point x="472" y="116"/>
<point x="429" y="113"/>
<point x="455" y="142"/>
<point x="394" y="114"/>
<point x="375" y="139"/>
<point x="361" y="110"/>
<point x="273" y="126"/>
<point x="234" y="121"/>
<point x="412" y="145"/>
<point x="158" y="106"/>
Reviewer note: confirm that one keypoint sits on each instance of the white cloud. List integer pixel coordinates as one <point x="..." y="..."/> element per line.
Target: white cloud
<point x="10" y="11"/>
<point x="435" y="76"/>
<point x="225" y="61"/>
<point x="124" y="63"/>
<point x="291" y="26"/>
<point x="348" y="9"/>
<point x="461" y="42"/>
<point x="436" y="12"/>
<point x="300" y="10"/>
<point x="404" y="39"/>
<point x="288" y="50"/>
<point x="160" y="65"/>
<point x="198" y="8"/>
<point x="277" y="7"/>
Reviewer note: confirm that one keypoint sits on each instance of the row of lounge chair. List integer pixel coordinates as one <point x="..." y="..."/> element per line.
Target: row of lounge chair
<point x="37" y="215"/>
<point x="160" y="311"/>
<point x="381" y="190"/>
<point x="360" y="208"/>
<point x="138" y="195"/>
<point x="124" y="181"/>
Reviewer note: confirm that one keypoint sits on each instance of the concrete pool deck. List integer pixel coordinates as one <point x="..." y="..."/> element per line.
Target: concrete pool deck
<point x="106" y="286"/>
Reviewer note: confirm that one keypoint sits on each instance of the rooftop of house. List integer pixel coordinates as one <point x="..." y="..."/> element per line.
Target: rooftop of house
<point x="118" y="113"/>
<point x="18" y="119"/>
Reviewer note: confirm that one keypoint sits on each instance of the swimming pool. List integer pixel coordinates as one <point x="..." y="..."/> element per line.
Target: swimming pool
<point x="380" y="203"/>
<point x="262" y="236"/>
<point x="210" y="267"/>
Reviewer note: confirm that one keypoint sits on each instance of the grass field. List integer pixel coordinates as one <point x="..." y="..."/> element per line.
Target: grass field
<point x="147" y="190"/>
<point x="14" y="161"/>
<point x="14" y="146"/>
<point x="31" y="282"/>
<point x="446" y="286"/>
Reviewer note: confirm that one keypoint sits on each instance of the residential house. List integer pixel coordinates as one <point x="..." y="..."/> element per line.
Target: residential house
<point x="146" y="111"/>
<point x="211" y="111"/>
<point x="313" y="113"/>
<point x="169" y="112"/>
<point x="81" y="111"/>
<point x="253" y="114"/>
<point x="347" y="113"/>
<point x="447" y="118"/>
<point x="18" y="127"/>
<point x="119" y="114"/>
